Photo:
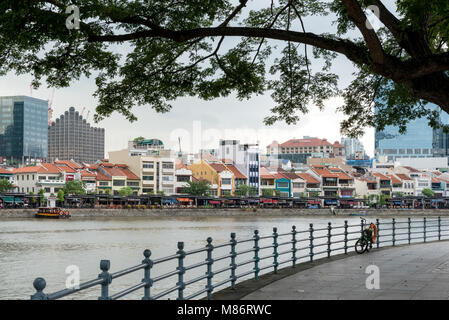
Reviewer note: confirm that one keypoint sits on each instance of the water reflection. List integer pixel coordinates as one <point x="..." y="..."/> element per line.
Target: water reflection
<point x="30" y="248"/>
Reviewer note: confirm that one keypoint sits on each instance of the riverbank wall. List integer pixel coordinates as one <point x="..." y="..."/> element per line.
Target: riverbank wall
<point x="229" y="212"/>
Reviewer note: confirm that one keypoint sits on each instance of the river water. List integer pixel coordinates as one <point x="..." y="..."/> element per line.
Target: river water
<point x="31" y="248"/>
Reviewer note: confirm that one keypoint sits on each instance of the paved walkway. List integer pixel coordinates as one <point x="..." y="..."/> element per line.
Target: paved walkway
<point x="418" y="271"/>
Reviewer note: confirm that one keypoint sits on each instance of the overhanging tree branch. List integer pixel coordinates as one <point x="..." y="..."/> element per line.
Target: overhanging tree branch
<point x="354" y="52"/>
<point x="372" y="41"/>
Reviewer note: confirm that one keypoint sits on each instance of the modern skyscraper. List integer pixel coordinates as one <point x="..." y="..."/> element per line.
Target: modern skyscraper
<point x="420" y="140"/>
<point x="70" y="137"/>
<point x="353" y="147"/>
<point x="23" y="128"/>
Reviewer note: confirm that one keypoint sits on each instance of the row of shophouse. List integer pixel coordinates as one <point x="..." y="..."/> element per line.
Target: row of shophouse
<point x="171" y="176"/>
<point x="327" y="181"/>
<point x="100" y="178"/>
<point x="147" y="168"/>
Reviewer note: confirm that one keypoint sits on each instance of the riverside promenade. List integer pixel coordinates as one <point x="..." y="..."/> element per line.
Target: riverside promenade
<point x="418" y="271"/>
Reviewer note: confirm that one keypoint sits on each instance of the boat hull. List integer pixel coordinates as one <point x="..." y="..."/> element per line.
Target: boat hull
<point x="47" y="216"/>
<point x="52" y="213"/>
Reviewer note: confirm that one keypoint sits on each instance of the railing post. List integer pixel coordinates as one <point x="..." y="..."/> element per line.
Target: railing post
<point x="346" y="236"/>
<point x="294" y="241"/>
<point x="105" y="265"/>
<point x="181" y="270"/>
<point x="233" y="256"/>
<point x="146" y="271"/>
<point x="39" y="284"/>
<point x="439" y="228"/>
<point x="409" y="230"/>
<point x="378" y="233"/>
<point x="394" y="231"/>
<point x="425" y="229"/>
<point x="311" y="241"/>
<point x="209" y="273"/>
<point x="329" y="235"/>
<point x="275" y="250"/>
<point x="256" y="254"/>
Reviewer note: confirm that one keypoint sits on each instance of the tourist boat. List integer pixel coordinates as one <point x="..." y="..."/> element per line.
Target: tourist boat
<point x="52" y="212"/>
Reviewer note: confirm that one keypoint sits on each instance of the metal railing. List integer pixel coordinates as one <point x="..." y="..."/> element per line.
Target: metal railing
<point x="249" y="258"/>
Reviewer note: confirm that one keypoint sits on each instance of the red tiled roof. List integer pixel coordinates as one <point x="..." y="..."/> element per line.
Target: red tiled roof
<point x="102" y="177"/>
<point x="227" y="161"/>
<point x="338" y="145"/>
<point x="381" y="176"/>
<point x="311" y="142"/>
<point x="85" y="173"/>
<point x="42" y="168"/>
<point x="324" y="173"/>
<point x="71" y="164"/>
<point x="3" y="171"/>
<point x="33" y="169"/>
<point x="343" y="176"/>
<point x="208" y="157"/>
<point x="403" y="176"/>
<point x="279" y="175"/>
<point x="265" y="174"/>
<point x="92" y="166"/>
<point x="129" y="174"/>
<point x="106" y="164"/>
<point x="65" y="168"/>
<point x="291" y="175"/>
<point x="119" y="170"/>
<point x="50" y="168"/>
<point x="307" y="177"/>
<point x="179" y="164"/>
<point x="394" y="179"/>
<point x="236" y="172"/>
<point x="218" y="167"/>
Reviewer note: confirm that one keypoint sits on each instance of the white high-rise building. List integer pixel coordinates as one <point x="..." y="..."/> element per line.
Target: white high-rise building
<point x="246" y="157"/>
<point x="153" y="164"/>
<point x="353" y="148"/>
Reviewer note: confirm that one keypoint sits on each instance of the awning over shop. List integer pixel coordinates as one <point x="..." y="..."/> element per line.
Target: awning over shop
<point x="169" y="201"/>
<point x="11" y="200"/>
<point x="184" y="200"/>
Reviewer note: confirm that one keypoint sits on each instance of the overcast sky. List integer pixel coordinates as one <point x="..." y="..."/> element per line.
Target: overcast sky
<point x="200" y="123"/>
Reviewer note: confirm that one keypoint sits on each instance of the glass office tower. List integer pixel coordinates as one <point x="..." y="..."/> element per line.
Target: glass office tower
<point x="420" y="140"/>
<point x="23" y="128"/>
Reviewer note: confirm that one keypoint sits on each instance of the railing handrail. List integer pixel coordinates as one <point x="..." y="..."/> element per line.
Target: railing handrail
<point x="390" y="232"/>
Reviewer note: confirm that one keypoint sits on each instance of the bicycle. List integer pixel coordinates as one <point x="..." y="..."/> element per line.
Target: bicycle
<point x="365" y="242"/>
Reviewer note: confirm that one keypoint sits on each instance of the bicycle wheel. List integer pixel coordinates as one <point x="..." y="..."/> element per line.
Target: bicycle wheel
<point x="361" y="246"/>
